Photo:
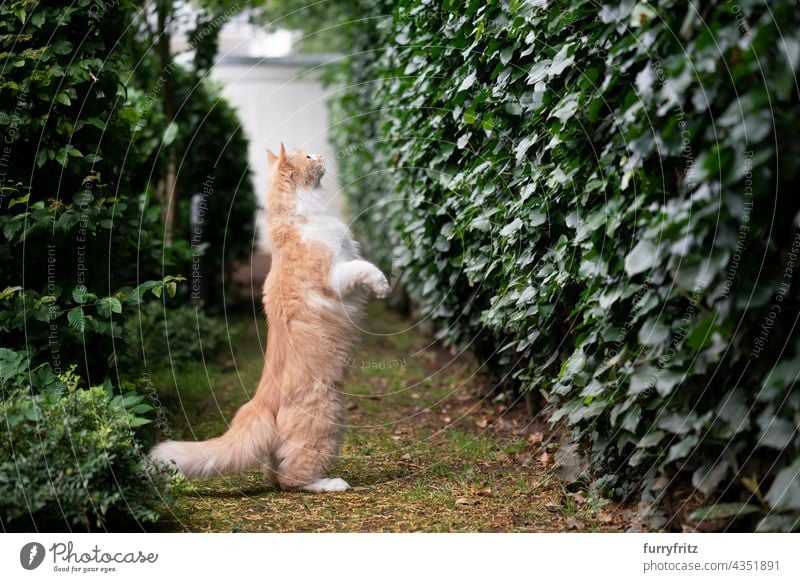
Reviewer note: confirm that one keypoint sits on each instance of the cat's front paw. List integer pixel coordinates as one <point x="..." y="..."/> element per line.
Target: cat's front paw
<point x="379" y="285"/>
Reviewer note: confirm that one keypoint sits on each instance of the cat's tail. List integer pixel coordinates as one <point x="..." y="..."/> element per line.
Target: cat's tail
<point x="246" y="444"/>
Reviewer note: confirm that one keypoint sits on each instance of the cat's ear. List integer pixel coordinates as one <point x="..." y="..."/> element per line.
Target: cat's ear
<point x="283" y="152"/>
<point x="271" y="159"/>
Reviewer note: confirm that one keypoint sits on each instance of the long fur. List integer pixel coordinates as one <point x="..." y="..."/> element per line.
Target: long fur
<point x="314" y="293"/>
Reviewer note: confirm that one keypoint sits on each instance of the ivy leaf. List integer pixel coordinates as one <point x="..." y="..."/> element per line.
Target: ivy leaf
<point x="468" y="82"/>
<point x="538" y="72"/>
<point x="778" y="523"/>
<point x="641" y="258"/>
<point x="537" y="218"/>
<point x="651" y="439"/>
<point x="511" y="228"/>
<point x="682" y="448"/>
<point x="723" y="511"/>
<point x="61" y="47"/>
<point x="566" y="109"/>
<point x="560" y="62"/>
<point x="700" y="336"/>
<point x="707" y="478"/>
<point x="776" y="433"/>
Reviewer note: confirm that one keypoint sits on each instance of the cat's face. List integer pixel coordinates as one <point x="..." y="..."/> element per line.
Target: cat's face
<point x="309" y="168"/>
<point x="304" y="170"/>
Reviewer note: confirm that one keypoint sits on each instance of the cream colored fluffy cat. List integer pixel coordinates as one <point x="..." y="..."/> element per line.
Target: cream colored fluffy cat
<point x="314" y="292"/>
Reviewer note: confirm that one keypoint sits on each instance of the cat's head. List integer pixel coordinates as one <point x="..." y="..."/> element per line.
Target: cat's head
<point x="303" y="170"/>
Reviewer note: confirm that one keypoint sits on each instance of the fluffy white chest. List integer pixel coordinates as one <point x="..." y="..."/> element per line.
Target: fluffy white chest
<point x="333" y="233"/>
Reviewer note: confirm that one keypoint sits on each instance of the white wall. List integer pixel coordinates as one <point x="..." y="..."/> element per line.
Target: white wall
<point x="280" y="100"/>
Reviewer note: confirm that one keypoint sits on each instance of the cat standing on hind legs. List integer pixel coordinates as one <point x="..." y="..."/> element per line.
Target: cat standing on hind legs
<point x="313" y="296"/>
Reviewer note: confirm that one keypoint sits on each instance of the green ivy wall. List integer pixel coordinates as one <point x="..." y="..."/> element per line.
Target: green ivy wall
<point x="600" y="201"/>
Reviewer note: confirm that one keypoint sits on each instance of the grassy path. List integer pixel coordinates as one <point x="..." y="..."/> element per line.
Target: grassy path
<point x="423" y="450"/>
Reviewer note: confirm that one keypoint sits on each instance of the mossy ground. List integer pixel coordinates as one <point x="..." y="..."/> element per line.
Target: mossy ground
<point x="425" y="449"/>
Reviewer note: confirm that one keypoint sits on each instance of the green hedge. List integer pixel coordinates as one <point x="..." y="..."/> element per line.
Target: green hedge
<point x="597" y="199"/>
<point x="69" y="458"/>
<point x="78" y="250"/>
<point x="161" y="337"/>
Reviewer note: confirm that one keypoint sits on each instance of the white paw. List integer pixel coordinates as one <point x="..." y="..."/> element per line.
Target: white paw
<point x="379" y="285"/>
<point x="333" y="484"/>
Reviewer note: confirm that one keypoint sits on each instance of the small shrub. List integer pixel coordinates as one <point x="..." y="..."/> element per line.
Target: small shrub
<point x="173" y="336"/>
<point x="69" y="459"/>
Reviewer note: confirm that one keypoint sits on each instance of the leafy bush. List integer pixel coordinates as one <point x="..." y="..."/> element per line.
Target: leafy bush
<point x="597" y="198"/>
<point x="69" y="458"/>
<point x="75" y="245"/>
<point x="179" y="336"/>
<point x="79" y="251"/>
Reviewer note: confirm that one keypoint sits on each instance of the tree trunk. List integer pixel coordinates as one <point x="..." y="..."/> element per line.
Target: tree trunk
<point x="167" y="187"/>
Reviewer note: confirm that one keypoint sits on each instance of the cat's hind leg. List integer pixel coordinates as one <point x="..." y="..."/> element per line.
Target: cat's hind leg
<point x="327" y="484"/>
<point x="308" y="443"/>
<point x="269" y="469"/>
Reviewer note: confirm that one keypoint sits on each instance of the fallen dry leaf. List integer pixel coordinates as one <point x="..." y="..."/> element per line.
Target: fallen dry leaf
<point x="535" y="438"/>
<point x="482" y="423"/>
<point x="485" y="492"/>
<point x="605" y="517"/>
<point x="573" y="523"/>
<point x="546" y="459"/>
<point x="524" y="459"/>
